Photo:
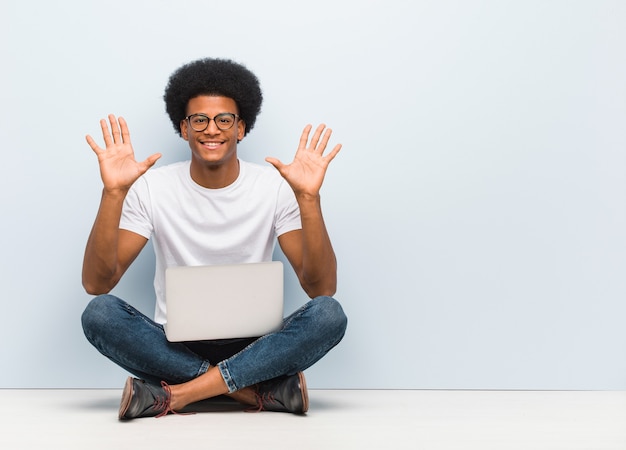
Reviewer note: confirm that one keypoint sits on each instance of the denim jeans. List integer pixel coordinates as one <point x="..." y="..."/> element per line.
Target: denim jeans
<point x="138" y="344"/>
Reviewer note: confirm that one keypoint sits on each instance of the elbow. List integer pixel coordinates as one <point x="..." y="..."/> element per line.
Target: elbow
<point x="94" y="288"/>
<point x="321" y="289"/>
<point x="98" y="283"/>
<point x="319" y="283"/>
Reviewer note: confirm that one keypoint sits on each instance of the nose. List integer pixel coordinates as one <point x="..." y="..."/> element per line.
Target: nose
<point x="211" y="127"/>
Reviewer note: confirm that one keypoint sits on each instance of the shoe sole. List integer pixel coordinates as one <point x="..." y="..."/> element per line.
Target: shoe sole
<point x="305" y="392"/>
<point x="127" y="395"/>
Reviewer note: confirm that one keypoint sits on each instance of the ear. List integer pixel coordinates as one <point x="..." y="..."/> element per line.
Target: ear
<point x="241" y="130"/>
<point x="184" y="130"/>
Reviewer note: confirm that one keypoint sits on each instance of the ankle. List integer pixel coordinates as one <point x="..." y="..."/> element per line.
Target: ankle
<point x="177" y="401"/>
<point x="247" y="396"/>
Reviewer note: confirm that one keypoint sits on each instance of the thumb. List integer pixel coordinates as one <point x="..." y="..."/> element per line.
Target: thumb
<point x="275" y="162"/>
<point x="150" y="160"/>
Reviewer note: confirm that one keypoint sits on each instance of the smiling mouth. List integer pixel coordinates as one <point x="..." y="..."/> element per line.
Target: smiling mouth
<point x="212" y="144"/>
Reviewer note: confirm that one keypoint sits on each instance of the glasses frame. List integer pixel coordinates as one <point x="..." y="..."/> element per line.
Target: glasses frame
<point x="189" y="117"/>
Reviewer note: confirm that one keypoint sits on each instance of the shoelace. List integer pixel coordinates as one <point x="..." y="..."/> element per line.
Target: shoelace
<point x="164" y="402"/>
<point x="261" y="400"/>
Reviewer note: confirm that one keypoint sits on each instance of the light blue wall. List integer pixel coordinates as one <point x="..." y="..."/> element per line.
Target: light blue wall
<point x="478" y="207"/>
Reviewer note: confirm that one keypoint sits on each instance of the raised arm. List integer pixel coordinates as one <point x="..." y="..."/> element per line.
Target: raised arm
<point x="110" y="251"/>
<point x="309" y="250"/>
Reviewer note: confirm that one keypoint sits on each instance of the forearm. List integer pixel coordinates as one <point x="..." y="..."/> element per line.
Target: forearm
<point x="319" y="264"/>
<point x="100" y="263"/>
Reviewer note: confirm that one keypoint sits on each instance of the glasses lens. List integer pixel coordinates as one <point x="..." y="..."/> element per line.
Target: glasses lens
<point x="198" y="122"/>
<point x="224" y="121"/>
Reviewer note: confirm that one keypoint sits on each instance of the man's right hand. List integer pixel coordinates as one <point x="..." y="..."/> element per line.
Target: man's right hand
<point x="118" y="167"/>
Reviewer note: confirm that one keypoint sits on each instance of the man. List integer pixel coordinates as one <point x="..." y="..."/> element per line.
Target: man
<point x="212" y="209"/>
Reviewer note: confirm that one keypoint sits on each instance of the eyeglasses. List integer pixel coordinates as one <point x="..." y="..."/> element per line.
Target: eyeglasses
<point x="223" y="121"/>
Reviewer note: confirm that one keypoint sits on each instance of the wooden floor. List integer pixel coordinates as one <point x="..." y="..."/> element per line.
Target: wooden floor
<point x="337" y="419"/>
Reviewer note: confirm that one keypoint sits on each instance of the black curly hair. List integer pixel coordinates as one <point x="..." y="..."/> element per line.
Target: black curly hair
<point x="213" y="76"/>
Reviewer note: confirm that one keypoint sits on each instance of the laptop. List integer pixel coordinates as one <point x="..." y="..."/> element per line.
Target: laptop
<point x="223" y="301"/>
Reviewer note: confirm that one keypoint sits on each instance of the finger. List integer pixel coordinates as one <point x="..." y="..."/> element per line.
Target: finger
<point x="325" y="139"/>
<point x="115" y="129"/>
<point x="275" y="162"/>
<point x="124" y="129"/>
<point x="331" y="155"/>
<point x="150" y="161"/>
<point x="93" y="144"/>
<point x="316" y="136"/>
<point x="304" y="137"/>
<point x="105" y="133"/>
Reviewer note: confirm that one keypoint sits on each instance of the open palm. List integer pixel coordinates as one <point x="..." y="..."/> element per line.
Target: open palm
<point x="118" y="167"/>
<point x="306" y="172"/>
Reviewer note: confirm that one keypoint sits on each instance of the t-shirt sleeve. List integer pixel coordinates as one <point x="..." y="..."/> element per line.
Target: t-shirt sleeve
<point x="136" y="210"/>
<point x="288" y="212"/>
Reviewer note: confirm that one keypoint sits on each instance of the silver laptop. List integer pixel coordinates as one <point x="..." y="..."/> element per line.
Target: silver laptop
<point x="223" y="301"/>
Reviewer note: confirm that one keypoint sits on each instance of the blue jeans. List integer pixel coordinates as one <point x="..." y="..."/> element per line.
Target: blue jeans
<point x="138" y="344"/>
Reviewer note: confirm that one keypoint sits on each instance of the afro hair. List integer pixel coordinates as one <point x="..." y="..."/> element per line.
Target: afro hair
<point x="211" y="76"/>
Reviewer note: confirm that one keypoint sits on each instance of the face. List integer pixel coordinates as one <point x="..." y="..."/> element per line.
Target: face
<point x="212" y="147"/>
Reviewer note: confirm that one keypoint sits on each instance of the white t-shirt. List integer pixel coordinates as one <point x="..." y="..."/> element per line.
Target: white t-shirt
<point x="192" y="225"/>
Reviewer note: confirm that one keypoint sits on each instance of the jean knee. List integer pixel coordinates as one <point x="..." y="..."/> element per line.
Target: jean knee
<point x="97" y="313"/>
<point x="331" y="315"/>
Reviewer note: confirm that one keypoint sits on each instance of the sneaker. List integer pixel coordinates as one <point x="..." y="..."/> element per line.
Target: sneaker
<point x="140" y="399"/>
<point x="283" y="394"/>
